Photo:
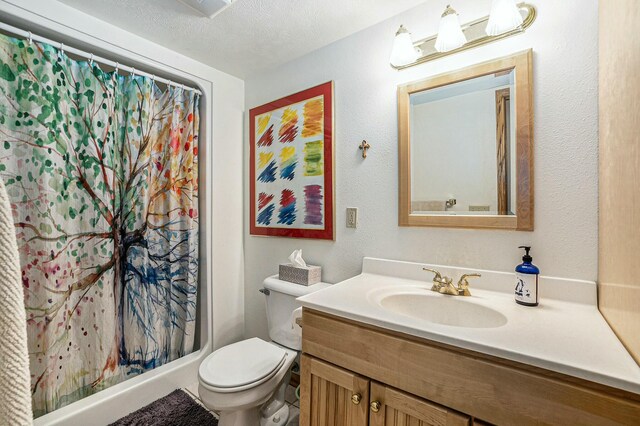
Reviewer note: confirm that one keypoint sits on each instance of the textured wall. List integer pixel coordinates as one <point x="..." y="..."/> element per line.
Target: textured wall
<point x="564" y="41"/>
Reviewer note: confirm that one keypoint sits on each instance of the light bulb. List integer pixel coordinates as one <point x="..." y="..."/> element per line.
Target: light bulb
<point x="505" y="16"/>
<point x="403" y="52"/>
<point x="450" y="35"/>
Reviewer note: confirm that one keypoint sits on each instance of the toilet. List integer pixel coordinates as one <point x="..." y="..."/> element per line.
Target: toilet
<point x="245" y="381"/>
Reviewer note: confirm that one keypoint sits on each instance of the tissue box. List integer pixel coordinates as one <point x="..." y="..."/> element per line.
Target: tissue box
<point x="305" y="276"/>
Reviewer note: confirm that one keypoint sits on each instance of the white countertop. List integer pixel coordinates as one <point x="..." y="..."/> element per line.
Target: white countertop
<point x="566" y="333"/>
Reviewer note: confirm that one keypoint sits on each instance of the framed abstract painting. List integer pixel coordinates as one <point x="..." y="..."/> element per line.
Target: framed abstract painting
<point x="291" y="166"/>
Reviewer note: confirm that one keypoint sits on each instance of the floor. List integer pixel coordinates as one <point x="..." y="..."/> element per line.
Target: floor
<point x="290" y="398"/>
<point x="192" y="391"/>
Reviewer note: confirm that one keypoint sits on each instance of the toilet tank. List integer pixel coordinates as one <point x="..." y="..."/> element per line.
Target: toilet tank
<point x="281" y="302"/>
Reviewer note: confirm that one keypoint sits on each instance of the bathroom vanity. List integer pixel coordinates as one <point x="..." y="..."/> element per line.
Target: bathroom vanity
<point x="377" y="350"/>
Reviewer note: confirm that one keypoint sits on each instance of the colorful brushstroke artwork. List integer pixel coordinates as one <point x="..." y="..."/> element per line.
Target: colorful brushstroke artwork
<point x="291" y="172"/>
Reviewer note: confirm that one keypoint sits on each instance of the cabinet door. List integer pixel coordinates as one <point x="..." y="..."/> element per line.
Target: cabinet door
<point x="331" y="396"/>
<point x="390" y="407"/>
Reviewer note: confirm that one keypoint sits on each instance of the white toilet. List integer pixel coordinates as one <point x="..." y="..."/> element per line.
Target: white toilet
<point x="245" y="381"/>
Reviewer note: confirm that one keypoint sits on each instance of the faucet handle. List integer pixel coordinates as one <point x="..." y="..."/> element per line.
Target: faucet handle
<point x="438" y="275"/>
<point x="463" y="284"/>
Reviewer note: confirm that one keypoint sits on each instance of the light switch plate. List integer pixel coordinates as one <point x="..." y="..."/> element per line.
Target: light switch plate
<point x="352" y="217"/>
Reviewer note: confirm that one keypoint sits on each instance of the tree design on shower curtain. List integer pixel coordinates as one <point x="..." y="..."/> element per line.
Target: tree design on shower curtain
<point x="102" y="173"/>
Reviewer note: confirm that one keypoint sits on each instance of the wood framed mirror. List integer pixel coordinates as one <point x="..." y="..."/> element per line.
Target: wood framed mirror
<point x="465" y="141"/>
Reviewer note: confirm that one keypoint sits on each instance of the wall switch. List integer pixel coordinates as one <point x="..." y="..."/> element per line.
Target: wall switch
<point x="352" y="217"/>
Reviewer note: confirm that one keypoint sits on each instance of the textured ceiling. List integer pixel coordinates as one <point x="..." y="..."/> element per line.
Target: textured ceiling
<point x="250" y="35"/>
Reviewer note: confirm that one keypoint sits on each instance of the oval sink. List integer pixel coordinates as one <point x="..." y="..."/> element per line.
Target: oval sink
<point x="446" y="310"/>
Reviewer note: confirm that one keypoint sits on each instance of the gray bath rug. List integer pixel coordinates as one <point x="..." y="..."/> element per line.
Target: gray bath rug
<point x="175" y="409"/>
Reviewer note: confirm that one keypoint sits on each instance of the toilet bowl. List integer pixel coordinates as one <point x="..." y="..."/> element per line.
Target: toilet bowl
<point x="245" y="381"/>
<point x="238" y="379"/>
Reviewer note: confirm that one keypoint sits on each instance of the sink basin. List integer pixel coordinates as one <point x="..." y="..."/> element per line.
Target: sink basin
<point x="446" y="310"/>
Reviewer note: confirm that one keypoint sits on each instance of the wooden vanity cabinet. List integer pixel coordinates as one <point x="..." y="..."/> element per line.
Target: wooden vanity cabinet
<point x="333" y="396"/>
<point x="348" y="368"/>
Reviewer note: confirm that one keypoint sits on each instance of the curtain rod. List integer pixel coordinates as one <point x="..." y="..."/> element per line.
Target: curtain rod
<point x="29" y="36"/>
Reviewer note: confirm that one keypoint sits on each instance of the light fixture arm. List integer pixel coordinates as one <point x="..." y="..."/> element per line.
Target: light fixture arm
<point x="475" y="34"/>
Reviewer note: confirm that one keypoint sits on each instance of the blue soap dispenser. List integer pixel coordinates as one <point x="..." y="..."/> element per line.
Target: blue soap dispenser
<point x="527" y="280"/>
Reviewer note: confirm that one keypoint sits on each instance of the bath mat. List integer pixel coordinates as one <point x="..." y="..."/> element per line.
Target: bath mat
<point x="175" y="409"/>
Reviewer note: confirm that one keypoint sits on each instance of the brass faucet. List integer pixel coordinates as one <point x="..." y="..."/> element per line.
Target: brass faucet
<point x="441" y="284"/>
<point x="463" y="284"/>
<point x="444" y="284"/>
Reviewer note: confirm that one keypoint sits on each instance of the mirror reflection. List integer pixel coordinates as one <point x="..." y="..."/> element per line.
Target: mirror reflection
<point x="462" y="147"/>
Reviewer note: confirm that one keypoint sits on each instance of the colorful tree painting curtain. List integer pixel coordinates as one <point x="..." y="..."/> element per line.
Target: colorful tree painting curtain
<point x="102" y="172"/>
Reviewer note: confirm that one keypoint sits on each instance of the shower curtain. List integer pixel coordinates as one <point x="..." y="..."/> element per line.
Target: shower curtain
<point x="102" y="174"/>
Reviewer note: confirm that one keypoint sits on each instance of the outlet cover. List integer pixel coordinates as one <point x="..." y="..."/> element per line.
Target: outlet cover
<point x="352" y="217"/>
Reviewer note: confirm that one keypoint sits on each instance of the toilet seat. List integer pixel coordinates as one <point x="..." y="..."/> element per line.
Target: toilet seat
<point x="241" y="365"/>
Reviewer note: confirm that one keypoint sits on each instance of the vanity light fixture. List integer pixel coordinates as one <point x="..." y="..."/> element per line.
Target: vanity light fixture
<point x="505" y="16"/>
<point x="403" y="51"/>
<point x="450" y="35"/>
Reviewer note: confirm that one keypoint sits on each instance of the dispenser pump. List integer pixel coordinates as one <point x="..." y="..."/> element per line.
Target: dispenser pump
<point x="527" y="257"/>
<point x="526" y="292"/>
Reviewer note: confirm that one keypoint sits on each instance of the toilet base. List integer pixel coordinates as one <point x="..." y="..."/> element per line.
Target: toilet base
<point x="255" y="417"/>
<point x="248" y="417"/>
<point x="279" y="418"/>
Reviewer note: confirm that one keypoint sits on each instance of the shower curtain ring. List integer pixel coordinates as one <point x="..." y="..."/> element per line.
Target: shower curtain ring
<point x="30" y="38"/>
<point x="62" y="49"/>
<point x="117" y="66"/>
<point x="91" y="60"/>
<point x="133" y="72"/>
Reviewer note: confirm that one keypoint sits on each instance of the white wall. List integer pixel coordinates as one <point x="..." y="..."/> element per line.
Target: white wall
<point x="221" y="145"/>
<point x="564" y="41"/>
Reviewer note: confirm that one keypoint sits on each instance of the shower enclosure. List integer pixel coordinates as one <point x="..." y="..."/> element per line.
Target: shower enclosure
<point x="109" y="220"/>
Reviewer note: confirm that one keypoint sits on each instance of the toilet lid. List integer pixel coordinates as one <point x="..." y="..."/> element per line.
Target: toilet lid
<point x="242" y="363"/>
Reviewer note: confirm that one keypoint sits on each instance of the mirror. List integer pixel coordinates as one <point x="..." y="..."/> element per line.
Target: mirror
<point x="462" y="146"/>
<point x="465" y="144"/>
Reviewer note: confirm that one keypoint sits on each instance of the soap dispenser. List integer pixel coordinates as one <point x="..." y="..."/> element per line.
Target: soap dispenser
<point x="527" y="280"/>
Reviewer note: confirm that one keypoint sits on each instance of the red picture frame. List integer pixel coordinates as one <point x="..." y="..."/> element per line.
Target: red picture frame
<point x="324" y="231"/>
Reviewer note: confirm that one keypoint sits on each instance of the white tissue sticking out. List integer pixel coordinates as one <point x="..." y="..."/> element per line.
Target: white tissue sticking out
<point x="294" y="316"/>
<point x="296" y="259"/>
